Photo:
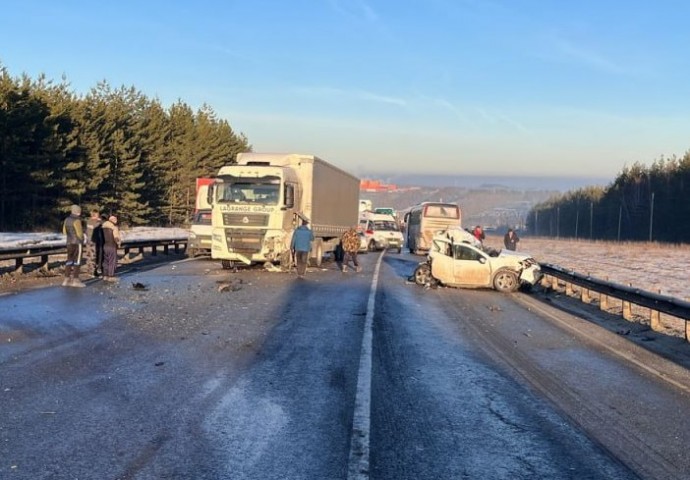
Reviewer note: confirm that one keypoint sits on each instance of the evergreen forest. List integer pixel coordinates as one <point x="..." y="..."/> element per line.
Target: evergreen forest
<point x="644" y="203"/>
<point x="112" y="149"/>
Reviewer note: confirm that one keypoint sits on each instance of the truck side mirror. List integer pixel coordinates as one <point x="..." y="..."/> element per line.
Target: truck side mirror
<point x="289" y="195"/>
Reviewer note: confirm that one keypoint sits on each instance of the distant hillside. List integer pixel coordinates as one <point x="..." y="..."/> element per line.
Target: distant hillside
<point x="490" y="206"/>
<point x="561" y="184"/>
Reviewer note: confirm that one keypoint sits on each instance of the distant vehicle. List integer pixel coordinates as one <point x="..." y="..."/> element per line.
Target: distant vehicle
<point x="365" y="206"/>
<point x="454" y="260"/>
<point x="424" y="220"/>
<point x="200" y="228"/>
<point x="386" y="211"/>
<point x="381" y="232"/>
<point x="258" y="202"/>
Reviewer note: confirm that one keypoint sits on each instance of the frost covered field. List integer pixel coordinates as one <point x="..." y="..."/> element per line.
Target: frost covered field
<point x="647" y="266"/>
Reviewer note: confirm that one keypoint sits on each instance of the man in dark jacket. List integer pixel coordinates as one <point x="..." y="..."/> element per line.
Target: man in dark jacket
<point x="510" y="240"/>
<point x="73" y="229"/>
<point x="94" y="244"/>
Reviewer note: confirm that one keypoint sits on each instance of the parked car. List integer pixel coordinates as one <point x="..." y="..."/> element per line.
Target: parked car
<point x="456" y="261"/>
<point x="381" y="231"/>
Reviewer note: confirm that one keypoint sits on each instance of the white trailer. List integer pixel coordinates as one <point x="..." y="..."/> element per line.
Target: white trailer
<point x="258" y="202"/>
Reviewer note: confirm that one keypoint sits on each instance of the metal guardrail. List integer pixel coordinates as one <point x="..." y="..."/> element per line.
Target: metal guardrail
<point x="44" y="252"/>
<point x="656" y="303"/>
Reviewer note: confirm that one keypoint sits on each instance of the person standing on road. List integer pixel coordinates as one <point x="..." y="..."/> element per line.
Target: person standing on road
<point x="111" y="236"/>
<point x="350" y="242"/>
<point x="94" y="236"/>
<point x="73" y="229"/>
<point x="301" y="246"/>
<point x="511" y="239"/>
<point x="479" y="233"/>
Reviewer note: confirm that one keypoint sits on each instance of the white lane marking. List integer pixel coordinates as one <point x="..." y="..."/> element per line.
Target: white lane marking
<point x="358" y="464"/>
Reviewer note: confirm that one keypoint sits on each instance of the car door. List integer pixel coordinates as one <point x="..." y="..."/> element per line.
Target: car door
<point x="471" y="267"/>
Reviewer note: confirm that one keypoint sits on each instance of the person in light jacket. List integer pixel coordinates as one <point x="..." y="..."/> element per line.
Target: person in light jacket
<point x="301" y="246"/>
<point x="111" y="236"/>
<point x="73" y="229"/>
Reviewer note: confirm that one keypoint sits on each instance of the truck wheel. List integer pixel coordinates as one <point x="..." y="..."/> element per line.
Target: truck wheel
<point x="399" y="250"/>
<point x="227" y="264"/>
<point x="317" y="259"/>
<point x="506" y="281"/>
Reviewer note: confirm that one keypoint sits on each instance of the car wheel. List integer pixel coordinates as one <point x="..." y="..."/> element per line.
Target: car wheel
<point x="399" y="249"/>
<point x="506" y="281"/>
<point x="372" y="246"/>
<point x="422" y="274"/>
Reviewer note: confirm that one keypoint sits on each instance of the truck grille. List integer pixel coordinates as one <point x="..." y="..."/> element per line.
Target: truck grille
<point x="244" y="241"/>
<point x="245" y="219"/>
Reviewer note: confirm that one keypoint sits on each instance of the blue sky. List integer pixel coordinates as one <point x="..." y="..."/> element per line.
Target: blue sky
<point x="450" y="87"/>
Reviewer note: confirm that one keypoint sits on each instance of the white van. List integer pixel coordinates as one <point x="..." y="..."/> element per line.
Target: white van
<point x="381" y="232"/>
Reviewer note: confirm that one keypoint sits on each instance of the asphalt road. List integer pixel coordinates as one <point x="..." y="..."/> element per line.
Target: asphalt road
<point x="208" y="374"/>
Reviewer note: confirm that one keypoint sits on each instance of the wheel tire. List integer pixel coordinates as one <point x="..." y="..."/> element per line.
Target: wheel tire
<point x="506" y="281"/>
<point x="317" y="259"/>
<point x="422" y="274"/>
<point x="227" y="264"/>
<point x="372" y="246"/>
<point x="399" y="250"/>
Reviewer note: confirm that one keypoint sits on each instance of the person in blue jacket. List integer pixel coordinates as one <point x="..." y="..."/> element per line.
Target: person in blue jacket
<point x="301" y="246"/>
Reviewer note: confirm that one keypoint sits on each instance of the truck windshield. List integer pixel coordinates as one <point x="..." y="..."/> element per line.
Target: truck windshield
<point x="385" y="225"/>
<point x="262" y="190"/>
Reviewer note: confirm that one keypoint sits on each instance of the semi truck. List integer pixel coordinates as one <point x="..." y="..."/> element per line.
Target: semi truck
<point x="200" y="228"/>
<point x="258" y="202"/>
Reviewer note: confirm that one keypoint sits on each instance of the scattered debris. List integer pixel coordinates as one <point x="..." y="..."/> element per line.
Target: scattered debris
<point x="494" y="308"/>
<point x="159" y="364"/>
<point x="271" y="268"/>
<point x="623" y="332"/>
<point x="230" y="285"/>
<point x="139" y="286"/>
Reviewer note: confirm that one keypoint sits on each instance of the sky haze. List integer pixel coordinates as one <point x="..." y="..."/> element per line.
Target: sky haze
<point x="535" y="88"/>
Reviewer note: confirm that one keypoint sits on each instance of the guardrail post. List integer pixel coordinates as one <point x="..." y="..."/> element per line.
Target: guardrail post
<point x="19" y="265"/>
<point x="554" y="283"/>
<point x="604" y="299"/>
<point x="44" y="263"/>
<point x="627" y="308"/>
<point x="154" y="251"/>
<point x="584" y="296"/>
<point x="655" y="318"/>
<point x="165" y="249"/>
<point x="568" y="289"/>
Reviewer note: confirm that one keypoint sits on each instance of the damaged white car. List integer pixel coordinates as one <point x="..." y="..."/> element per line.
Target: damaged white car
<point x="457" y="259"/>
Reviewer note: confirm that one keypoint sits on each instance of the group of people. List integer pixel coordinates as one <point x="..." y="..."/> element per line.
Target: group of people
<point x="97" y="244"/>
<point x="510" y="239"/>
<point x="303" y="237"/>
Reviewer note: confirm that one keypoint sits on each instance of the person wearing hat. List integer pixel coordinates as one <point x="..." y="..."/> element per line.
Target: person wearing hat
<point x="111" y="236"/>
<point x="73" y="229"/>
<point x="301" y="245"/>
